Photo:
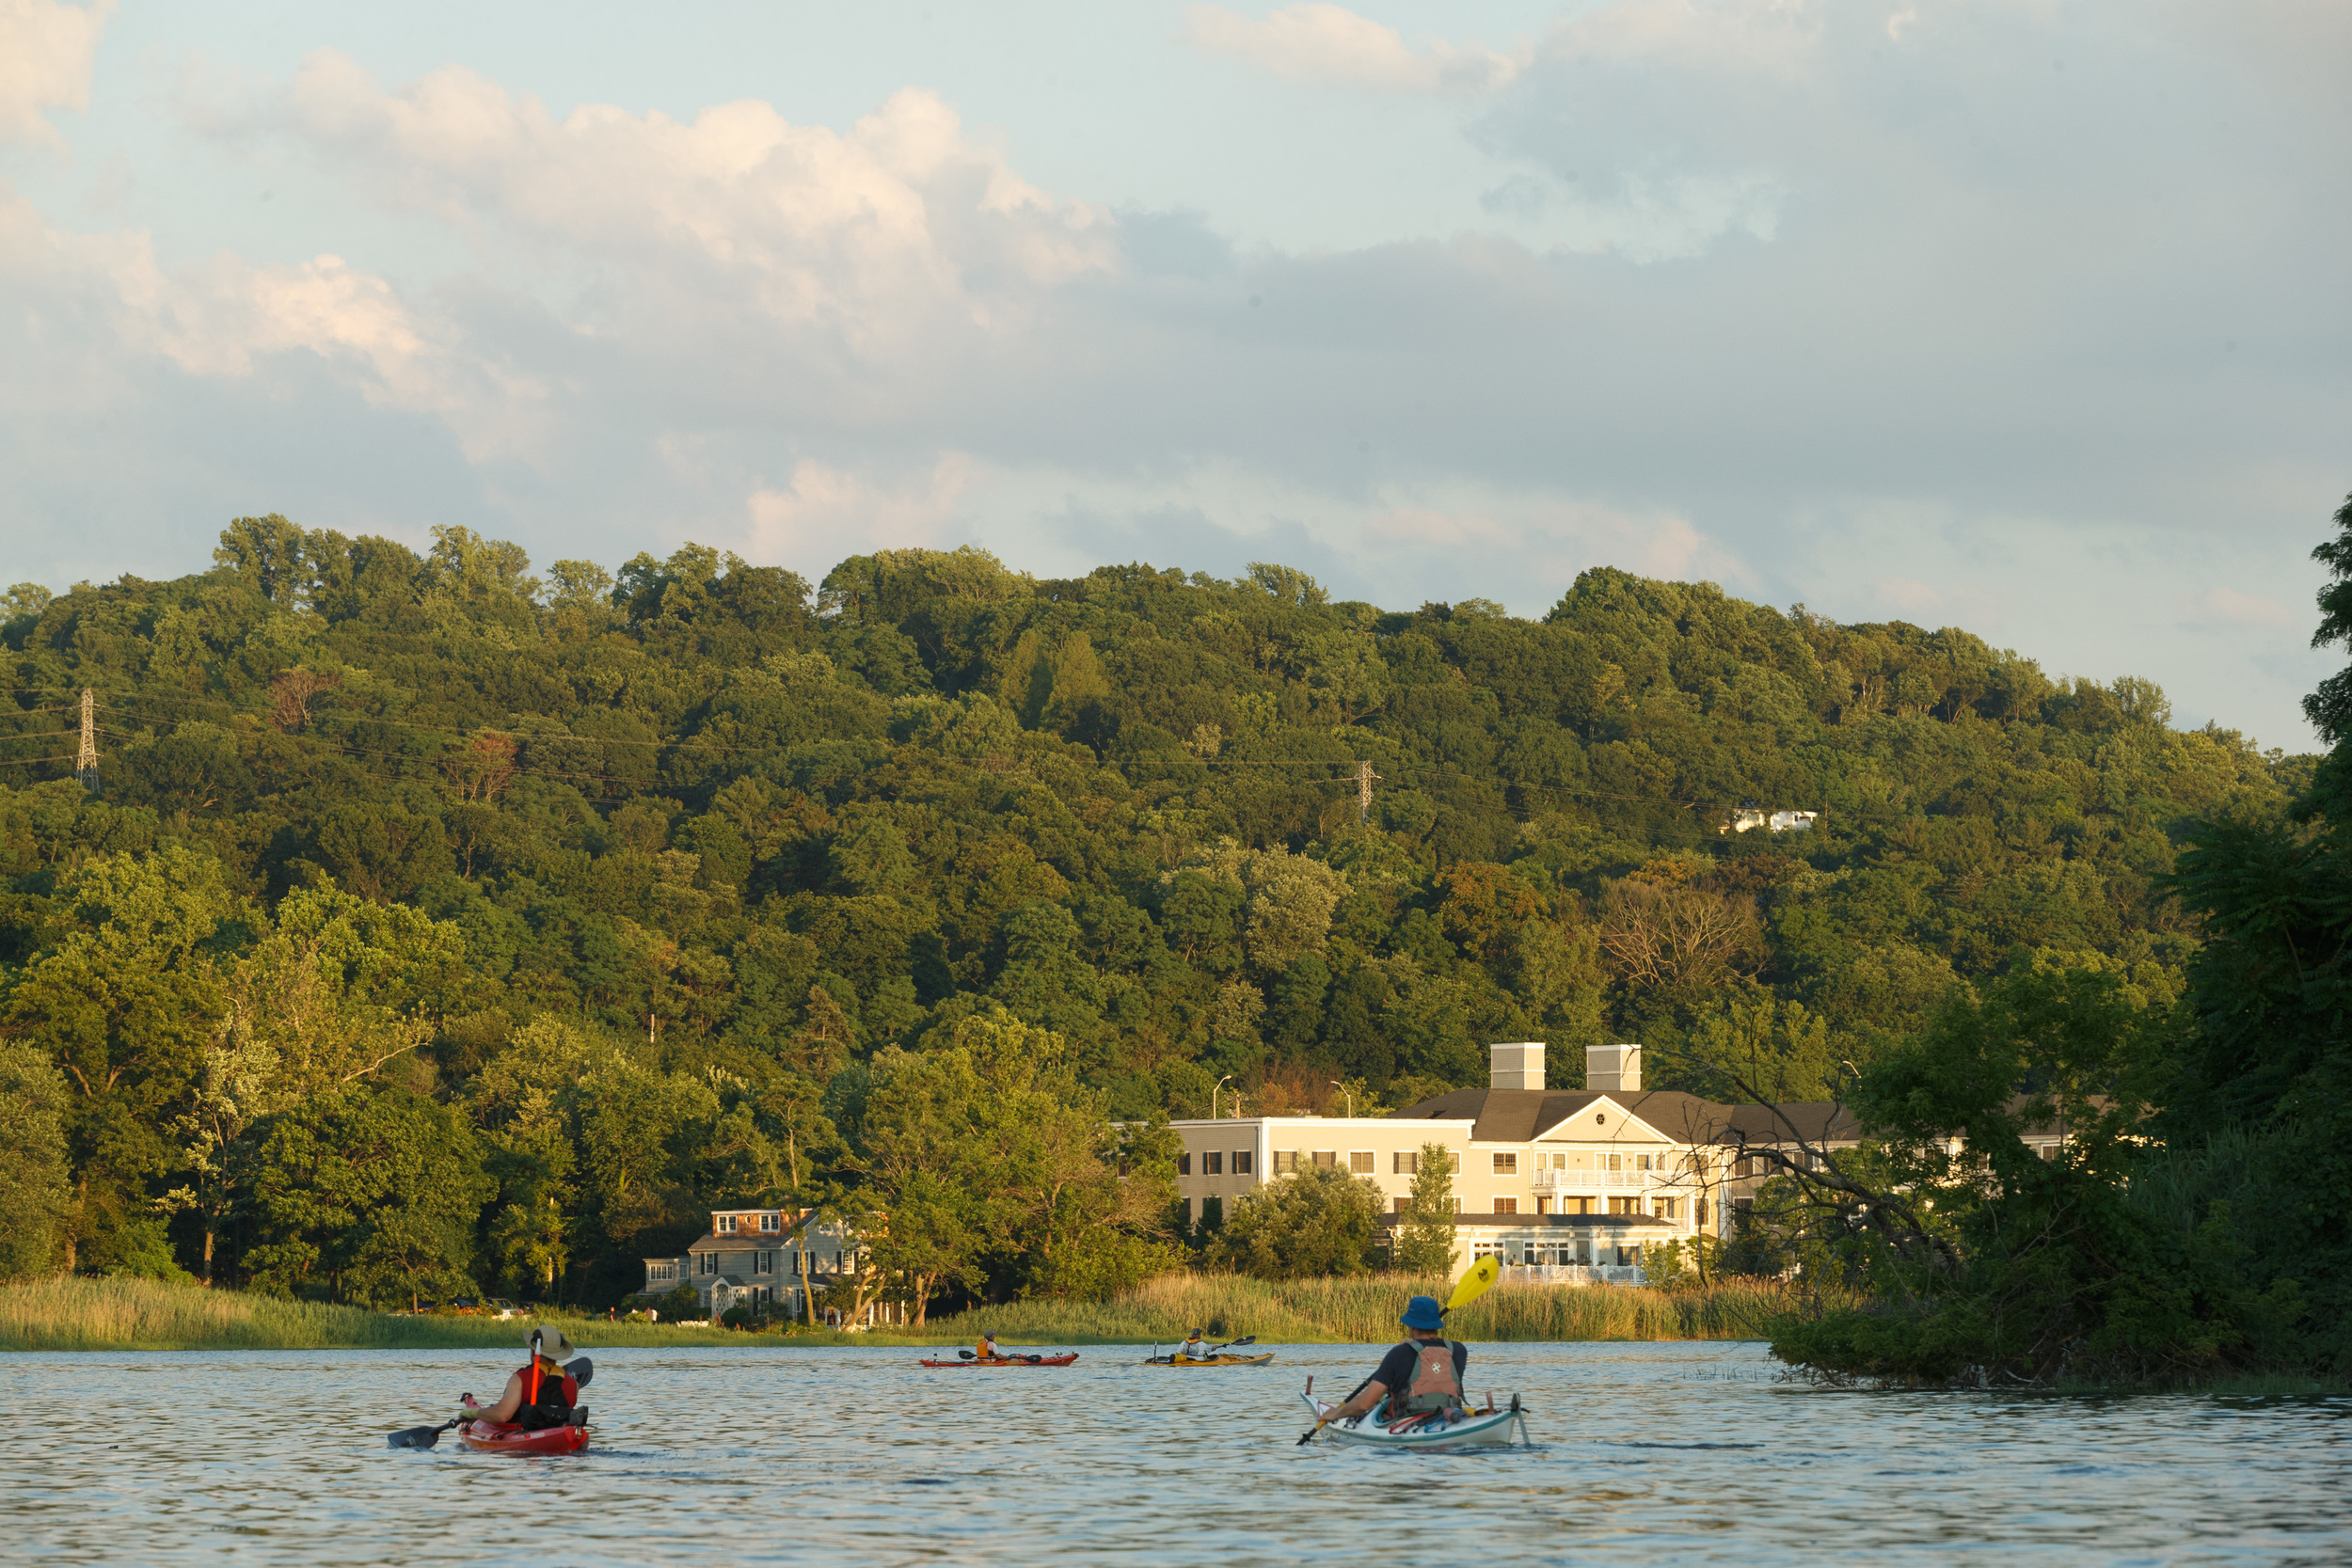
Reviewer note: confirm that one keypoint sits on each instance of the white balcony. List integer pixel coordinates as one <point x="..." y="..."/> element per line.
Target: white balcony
<point x="1572" y="1274"/>
<point x="1603" y="1180"/>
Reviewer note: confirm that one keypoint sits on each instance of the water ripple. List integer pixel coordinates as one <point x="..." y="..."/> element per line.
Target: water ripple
<point x="1648" y="1453"/>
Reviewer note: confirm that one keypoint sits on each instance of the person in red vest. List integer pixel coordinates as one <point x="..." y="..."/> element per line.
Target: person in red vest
<point x="541" y="1395"/>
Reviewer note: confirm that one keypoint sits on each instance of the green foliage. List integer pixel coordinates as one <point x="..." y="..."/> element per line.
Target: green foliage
<point x="675" y="884"/>
<point x="1424" y="1237"/>
<point x="33" y="1174"/>
<point x="1321" y="1222"/>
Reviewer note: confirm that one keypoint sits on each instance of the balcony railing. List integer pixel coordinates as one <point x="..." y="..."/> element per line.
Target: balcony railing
<point x="1572" y="1274"/>
<point x="1603" y="1181"/>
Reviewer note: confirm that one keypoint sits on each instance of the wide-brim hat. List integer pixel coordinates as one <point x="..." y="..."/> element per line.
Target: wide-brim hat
<point x="551" y="1343"/>
<point x="1424" y="1312"/>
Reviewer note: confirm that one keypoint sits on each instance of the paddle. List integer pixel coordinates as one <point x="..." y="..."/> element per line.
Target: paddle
<point x="579" y="1370"/>
<point x="1476" y="1283"/>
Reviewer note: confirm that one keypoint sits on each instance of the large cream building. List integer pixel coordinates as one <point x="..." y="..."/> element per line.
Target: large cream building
<point x="1573" y="1182"/>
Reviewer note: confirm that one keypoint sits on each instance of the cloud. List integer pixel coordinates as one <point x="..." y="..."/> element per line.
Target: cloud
<point x="823" y="514"/>
<point x="46" y="48"/>
<point x="2228" y="607"/>
<point x="1333" y="46"/>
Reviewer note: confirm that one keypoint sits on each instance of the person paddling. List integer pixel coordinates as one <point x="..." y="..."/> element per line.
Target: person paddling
<point x="987" y="1350"/>
<point x="1194" y="1349"/>
<point x="1421" y="1377"/>
<point x="541" y="1395"/>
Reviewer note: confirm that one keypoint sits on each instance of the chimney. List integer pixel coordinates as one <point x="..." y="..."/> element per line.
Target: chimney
<point x="1614" y="1069"/>
<point x="1517" y="1067"/>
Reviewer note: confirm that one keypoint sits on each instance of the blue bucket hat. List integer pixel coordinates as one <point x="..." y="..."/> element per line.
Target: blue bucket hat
<point x="1424" y="1312"/>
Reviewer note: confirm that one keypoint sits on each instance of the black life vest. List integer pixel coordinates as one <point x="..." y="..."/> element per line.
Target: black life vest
<point x="547" y="1399"/>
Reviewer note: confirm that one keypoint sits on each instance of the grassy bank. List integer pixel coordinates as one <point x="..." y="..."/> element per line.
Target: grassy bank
<point x="139" y="1314"/>
<point x="1363" y="1310"/>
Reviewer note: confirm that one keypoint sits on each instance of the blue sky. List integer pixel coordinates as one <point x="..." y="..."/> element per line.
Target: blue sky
<point x="2021" y="315"/>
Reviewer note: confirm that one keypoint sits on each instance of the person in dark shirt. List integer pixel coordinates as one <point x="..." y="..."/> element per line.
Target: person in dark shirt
<point x="1424" y="1380"/>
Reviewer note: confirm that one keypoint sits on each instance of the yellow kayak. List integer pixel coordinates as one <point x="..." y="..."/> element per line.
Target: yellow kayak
<point x="1212" y="1361"/>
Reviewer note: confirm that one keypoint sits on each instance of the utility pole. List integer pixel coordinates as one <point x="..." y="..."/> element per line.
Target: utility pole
<point x="1364" y="775"/>
<point x="86" y="762"/>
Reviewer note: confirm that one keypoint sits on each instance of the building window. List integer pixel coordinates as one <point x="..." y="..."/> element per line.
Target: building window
<point x="1543" y="1206"/>
<point x="1241" y="1161"/>
<point x="1625" y="1206"/>
<point x="1212" y="1163"/>
<point x="1645" y="1161"/>
<point x="1506" y="1206"/>
<point x="1184" y="1164"/>
<point x="1616" y="1162"/>
<point x="769" y="1222"/>
<point x="763" y="1262"/>
<point x="1575" y="1205"/>
<point x="1403" y="1204"/>
<point x="1670" y="1207"/>
<point x="727" y="1225"/>
<point x="1404" y="1164"/>
<point x="1745" y="1165"/>
<point x="1702" y="1213"/>
<point x="1506" y="1164"/>
<point x="1559" y="1161"/>
<point x="1457" y="1204"/>
<point x="1285" y="1161"/>
<point x="1326" y="1159"/>
<point x="1359" y="1161"/>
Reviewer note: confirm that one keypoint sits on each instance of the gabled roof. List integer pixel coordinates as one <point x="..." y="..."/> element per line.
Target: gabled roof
<point x="1523" y="1115"/>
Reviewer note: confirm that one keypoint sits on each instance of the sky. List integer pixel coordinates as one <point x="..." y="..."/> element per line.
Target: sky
<point x="2024" y="316"/>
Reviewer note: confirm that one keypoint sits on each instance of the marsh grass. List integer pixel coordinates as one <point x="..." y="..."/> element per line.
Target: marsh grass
<point x="143" y="1314"/>
<point x="1364" y="1309"/>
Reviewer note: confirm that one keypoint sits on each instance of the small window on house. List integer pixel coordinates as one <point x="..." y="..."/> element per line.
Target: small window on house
<point x="1559" y="1161"/>
<point x="1506" y="1206"/>
<point x="1670" y="1207"/>
<point x="1642" y="1161"/>
<point x="1326" y="1159"/>
<point x="1212" y="1163"/>
<point x="1285" y="1161"/>
<point x="1457" y="1204"/>
<point x="1241" y="1161"/>
<point x="768" y="1222"/>
<point x="1403" y="1204"/>
<point x="727" y="1225"/>
<point x="1616" y="1162"/>
<point x="1359" y="1161"/>
<point x="1184" y="1164"/>
<point x="1745" y="1165"/>
<point x="1404" y="1164"/>
<point x="2048" y="1151"/>
<point x="1625" y="1206"/>
<point x="1506" y="1164"/>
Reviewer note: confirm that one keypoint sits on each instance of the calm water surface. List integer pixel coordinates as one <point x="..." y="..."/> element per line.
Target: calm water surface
<point x="1661" y="1454"/>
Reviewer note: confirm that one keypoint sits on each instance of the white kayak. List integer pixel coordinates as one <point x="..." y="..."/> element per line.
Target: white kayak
<point x="1499" y="1428"/>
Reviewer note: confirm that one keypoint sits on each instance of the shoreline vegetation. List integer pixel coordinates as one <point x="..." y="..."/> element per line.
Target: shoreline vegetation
<point x="122" y="1314"/>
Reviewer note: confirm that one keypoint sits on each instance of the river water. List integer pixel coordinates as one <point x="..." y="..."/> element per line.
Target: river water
<point x="1660" y="1454"/>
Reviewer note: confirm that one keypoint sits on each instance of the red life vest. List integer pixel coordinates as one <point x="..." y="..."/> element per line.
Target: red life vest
<point x="547" y="1401"/>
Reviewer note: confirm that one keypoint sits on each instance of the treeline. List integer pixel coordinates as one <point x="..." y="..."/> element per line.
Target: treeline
<point x="2193" y="1225"/>
<point x="430" y="920"/>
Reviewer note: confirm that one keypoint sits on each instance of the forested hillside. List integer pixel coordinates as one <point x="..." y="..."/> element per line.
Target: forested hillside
<point x="433" y="921"/>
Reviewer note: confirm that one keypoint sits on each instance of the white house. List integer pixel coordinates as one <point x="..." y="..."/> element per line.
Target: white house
<point x="750" y="1258"/>
<point x="1572" y="1182"/>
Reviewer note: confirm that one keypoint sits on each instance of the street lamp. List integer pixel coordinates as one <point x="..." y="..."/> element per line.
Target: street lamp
<point x="1351" y="1097"/>
<point x="1218" y="1085"/>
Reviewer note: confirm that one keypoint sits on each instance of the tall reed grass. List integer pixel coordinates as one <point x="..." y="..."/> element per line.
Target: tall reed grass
<point x="143" y="1314"/>
<point x="1363" y="1310"/>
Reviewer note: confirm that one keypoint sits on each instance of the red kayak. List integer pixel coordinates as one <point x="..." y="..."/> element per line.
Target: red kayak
<point x="1012" y="1361"/>
<point x="500" y="1437"/>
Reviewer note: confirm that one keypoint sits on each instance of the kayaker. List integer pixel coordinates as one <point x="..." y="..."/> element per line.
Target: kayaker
<point x="987" y="1350"/>
<point x="1425" y="1373"/>
<point x="1194" y="1349"/>
<point x="541" y="1395"/>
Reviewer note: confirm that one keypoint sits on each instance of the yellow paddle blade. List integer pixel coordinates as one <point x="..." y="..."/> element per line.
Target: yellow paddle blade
<point x="1476" y="1283"/>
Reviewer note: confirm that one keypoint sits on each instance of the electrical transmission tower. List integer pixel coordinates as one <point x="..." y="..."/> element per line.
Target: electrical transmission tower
<point x="86" y="761"/>
<point x="1364" y="775"/>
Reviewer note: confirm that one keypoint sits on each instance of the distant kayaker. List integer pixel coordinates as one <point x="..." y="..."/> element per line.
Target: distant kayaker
<point x="1194" y="1349"/>
<point x="987" y="1350"/>
<point x="1424" y="1373"/>
<point x="541" y="1395"/>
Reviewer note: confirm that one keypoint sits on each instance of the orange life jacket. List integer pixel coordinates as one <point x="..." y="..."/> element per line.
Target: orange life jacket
<point x="1433" y="1386"/>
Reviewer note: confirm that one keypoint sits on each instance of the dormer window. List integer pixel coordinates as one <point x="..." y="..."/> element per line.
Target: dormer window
<point x="769" y="1222"/>
<point x="727" y="1225"/>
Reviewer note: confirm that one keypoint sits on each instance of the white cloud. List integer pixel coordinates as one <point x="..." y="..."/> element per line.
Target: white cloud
<point x="47" y="47"/>
<point x="823" y="514"/>
<point x="2229" y="607"/>
<point x="1332" y="45"/>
